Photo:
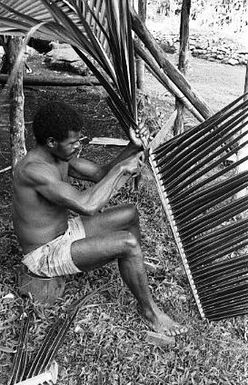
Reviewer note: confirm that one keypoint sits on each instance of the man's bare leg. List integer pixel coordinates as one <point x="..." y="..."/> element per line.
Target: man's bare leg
<point x="115" y="234"/>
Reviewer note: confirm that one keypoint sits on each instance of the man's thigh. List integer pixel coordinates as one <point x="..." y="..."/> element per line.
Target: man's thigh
<point x="111" y="220"/>
<point x="96" y="251"/>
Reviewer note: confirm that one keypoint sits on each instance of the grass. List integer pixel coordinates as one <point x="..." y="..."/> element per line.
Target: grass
<point x="107" y="343"/>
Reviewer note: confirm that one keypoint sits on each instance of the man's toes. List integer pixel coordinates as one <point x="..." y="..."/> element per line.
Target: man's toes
<point x="180" y="330"/>
<point x="175" y="330"/>
<point x="169" y="332"/>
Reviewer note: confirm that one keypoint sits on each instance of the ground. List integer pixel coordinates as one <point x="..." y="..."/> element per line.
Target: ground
<point x="107" y="341"/>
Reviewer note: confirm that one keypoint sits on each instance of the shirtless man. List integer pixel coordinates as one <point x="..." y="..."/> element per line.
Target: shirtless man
<point x="54" y="243"/>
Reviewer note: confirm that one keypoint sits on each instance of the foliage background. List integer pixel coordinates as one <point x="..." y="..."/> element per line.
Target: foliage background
<point x="231" y="14"/>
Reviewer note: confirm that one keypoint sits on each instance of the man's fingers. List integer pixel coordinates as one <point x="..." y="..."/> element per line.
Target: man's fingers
<point x="142" y="132"/>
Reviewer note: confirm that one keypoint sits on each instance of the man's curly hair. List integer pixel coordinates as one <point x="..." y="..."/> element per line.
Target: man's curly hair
<point x="55" y="119"/>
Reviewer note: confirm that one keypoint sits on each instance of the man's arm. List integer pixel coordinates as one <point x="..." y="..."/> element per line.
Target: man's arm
<point x="87" y="170"/>
<point x="80" y="168"/>
<point x="45" y="182"/>
<point x="84" y="169"/>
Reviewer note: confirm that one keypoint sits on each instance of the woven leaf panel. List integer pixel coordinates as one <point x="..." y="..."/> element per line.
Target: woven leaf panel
<point x="202" y="194"/>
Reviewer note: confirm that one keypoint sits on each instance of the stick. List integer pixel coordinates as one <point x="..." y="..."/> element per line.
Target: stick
<point x="5" y="169"/>
<point x="50" y="376"/>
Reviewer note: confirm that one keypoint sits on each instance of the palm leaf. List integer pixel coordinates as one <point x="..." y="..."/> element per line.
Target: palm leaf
<point x="207" y="216"/>
<point x="56" y="334"/>
<point x="99" y="31"/>
<point x="19" y="364"/>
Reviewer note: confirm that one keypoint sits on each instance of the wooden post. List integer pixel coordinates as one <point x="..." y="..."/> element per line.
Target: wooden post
<point x="17" y="125"/>
<point x="140" y="66"/>
<point x="183" y="61"/>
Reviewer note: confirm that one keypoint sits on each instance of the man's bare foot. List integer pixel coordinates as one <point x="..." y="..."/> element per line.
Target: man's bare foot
<point x="162" y="323"/>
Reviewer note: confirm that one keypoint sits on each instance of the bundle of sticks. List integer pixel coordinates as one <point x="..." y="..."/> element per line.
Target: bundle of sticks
<point x="202" y="194"/>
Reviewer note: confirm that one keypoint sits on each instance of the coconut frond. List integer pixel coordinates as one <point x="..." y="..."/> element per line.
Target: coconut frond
<point x="56" y="335"/>
<point x="99" y="31"/>
<point x="20" y="361"/>
<point x="202" y="198"/>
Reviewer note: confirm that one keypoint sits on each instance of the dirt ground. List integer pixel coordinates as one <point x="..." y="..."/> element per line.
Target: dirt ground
<point x="109" y="345"/>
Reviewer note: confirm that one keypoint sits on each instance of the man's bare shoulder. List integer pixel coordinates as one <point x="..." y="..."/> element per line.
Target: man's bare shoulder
<point x="33" y="170"/>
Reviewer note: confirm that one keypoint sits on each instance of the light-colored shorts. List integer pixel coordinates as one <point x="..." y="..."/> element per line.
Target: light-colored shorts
<point x="54" y="258"/>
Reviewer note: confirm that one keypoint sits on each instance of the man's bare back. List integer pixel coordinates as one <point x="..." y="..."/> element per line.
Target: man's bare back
<point x="43" y="198"/>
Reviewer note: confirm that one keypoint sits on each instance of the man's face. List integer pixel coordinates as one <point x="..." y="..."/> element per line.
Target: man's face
<point x="69" y="147"/>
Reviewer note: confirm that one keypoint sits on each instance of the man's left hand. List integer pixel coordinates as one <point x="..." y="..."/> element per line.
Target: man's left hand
<point x="140" y="135"/>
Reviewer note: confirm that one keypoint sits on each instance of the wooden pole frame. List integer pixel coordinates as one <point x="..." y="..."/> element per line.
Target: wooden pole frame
<point x="183" y="61"/>
<point x="168" y="68"/>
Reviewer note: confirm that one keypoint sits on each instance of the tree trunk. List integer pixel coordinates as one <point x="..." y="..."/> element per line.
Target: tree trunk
<point x="17" y="125"/>
<point x="170" y="70"/>
<point x="183" y="61"/>
<point x="140" y="66"/>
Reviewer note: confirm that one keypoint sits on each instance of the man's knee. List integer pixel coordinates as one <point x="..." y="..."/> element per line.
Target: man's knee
<point x="131" y="244"/>
<point x="132" y="213"/>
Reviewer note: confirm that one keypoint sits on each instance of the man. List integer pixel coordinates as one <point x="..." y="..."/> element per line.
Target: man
<point x="55" y="244"/>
